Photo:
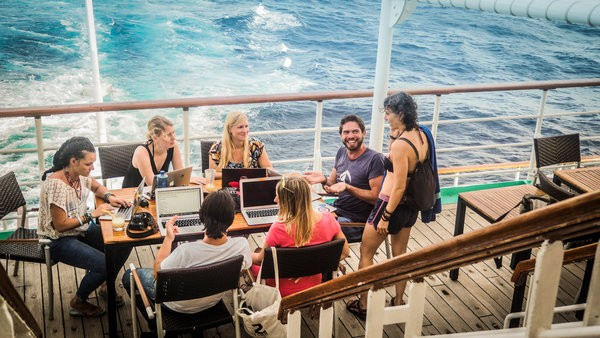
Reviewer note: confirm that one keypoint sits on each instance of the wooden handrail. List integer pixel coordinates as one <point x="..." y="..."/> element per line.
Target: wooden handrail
<point x="573" y="217"/>
<point x="285" y="97"/>
<point x="572" y="255"/>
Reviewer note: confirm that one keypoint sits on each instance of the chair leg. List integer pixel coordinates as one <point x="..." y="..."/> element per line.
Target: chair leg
<point x="50" y="282"/>
<point x="388" y="252"/>
<point x="16" y="269"/>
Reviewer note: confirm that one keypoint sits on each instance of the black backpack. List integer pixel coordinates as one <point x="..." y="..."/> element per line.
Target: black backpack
<point x="420" y="188"/>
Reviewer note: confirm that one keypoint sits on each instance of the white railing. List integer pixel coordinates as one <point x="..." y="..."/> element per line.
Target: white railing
<point x="322" y="98"/>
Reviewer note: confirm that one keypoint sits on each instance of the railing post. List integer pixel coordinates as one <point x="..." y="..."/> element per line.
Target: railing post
<point x="544" y="289"/>
<point x="317" y="163"/>
<point x="375" y="313"/>
<point x="538" y="130"/>
<point x="591" y="316"/>
<point x="40" y="143"/>
<point x="186" y="136"/>
<point x="416" y="303"/>
<point x="294" y="322"/>
<point x="436" y="116"/>
<point x="326" y="322"/>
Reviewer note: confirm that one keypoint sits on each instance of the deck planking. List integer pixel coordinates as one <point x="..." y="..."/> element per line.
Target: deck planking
<point x="478" y="300"/>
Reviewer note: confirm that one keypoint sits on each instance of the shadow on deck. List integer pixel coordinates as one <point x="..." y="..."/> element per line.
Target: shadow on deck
<point x="478" y="300"/>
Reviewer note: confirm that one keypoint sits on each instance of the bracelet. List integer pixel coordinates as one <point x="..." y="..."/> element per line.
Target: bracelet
<point x="324" y="183"/>
<point x="79" y="219"/>
<point x="87" y="218"/>
<point x="386" y="213"/>
<point x="385" y="217"/>
<point x="106" y="197"/>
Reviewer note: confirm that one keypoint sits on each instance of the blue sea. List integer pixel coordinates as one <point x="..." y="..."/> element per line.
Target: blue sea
<point x="189" y="48"/>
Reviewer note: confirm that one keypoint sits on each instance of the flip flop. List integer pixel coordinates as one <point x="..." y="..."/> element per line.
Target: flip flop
<point x="393" y="302"/>
<point x="354" y="307"/>
<point x="119" y="301"/>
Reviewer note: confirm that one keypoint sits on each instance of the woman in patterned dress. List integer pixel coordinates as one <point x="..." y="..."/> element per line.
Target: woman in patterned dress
<point x="236" y="149"/>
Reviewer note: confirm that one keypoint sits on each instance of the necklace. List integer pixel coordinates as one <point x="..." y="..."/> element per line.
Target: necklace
<point x="74" y="184"/>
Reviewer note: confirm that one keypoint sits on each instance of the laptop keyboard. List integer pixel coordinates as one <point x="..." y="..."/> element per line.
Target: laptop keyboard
<point x="126" y="211"/>
<point x="262" y="213"/>
<point x="185" y="222"/>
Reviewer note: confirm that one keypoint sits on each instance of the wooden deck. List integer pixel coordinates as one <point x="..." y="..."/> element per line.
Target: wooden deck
<point x="479" y="300"/>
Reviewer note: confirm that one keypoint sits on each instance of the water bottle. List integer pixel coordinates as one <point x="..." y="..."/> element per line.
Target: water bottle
<point x="161" y="180"/>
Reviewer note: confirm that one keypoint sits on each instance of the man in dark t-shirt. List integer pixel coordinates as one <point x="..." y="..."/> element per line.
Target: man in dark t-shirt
<point x="356" y="176"/>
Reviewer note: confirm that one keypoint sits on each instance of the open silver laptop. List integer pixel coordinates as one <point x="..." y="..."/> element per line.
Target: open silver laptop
<point x="175" y="178"/>
<point x="182" y="201"/>
<point x="257" y="200"/>
<point x="135" y="204"/>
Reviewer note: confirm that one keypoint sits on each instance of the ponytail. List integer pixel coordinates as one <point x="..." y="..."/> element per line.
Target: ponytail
<point x="73" y="147"/>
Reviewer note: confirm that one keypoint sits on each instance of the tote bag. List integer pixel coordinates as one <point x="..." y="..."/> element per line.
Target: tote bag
<point x="260" y="305"/>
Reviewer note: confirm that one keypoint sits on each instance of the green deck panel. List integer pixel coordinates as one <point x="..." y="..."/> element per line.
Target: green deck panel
<point x="450" y="195"/>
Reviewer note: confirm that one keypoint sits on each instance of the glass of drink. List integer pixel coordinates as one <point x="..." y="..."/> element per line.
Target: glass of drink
<point x="209" y="174"/>
<point x="118" y="221"/>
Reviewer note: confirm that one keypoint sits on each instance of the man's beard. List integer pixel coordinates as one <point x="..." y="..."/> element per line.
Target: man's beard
<point x="355" y="146"/>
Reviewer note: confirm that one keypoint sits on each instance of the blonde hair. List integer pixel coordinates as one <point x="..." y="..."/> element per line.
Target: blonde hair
<point x="233" y="119"/>
<point x="157" y="125"/>
<point x="295" y="207"/>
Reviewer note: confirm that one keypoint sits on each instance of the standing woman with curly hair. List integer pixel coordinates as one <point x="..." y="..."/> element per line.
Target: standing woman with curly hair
<point x="236" y="149"/>
<point x="65" y="220"/>
<point x="391" y="214"/>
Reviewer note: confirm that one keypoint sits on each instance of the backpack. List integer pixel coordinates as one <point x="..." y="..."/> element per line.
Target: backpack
<point x="420" y="189"/>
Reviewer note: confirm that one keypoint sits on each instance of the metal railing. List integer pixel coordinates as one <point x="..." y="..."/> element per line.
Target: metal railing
<point x="321" y="98"/>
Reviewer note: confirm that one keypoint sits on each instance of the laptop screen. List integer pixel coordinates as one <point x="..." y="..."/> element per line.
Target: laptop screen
<point x="258" y="192"/>
<point x="180" y="202"/>
<point x="235" y="174"/>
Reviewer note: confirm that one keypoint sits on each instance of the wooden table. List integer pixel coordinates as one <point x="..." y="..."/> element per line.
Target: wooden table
<point x="114" y="240"/>
<point x="489" y="204"/>
<point x="581" y="179"/>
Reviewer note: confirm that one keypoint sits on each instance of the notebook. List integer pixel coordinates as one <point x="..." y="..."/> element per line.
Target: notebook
<point x="257" y="200"/>
<point x="235" y="174"/>
<point x="135" y="204"/>
<point x="175" y="178"/>
<point x="182" y="201"/>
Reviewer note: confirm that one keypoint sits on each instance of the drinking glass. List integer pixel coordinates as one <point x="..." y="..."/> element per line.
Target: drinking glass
<point x="118" y="221"/>
<point x="209" y="174"/>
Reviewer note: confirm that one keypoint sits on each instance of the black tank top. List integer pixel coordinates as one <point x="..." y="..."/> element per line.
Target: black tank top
<point x="133" y="177"/>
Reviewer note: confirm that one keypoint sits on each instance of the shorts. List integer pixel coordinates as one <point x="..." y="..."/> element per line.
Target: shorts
<point x="403" y="217"/>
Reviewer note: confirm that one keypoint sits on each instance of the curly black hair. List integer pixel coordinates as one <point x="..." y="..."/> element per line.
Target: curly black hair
<point x="404" y="105"/>
<point x="75" y="147"/>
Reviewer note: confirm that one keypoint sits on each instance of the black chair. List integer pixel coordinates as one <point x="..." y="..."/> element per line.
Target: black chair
<point x="191" y="283"/>
<point x="553" y="150"/>
<point x="304" y="261"/>
<point x="23" y="244"/>
<point x="204" y="149"/>
<point x="552" y="189"/>
<point x="115" y="160"/>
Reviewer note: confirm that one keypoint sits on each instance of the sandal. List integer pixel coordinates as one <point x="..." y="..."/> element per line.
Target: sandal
<point x="82" y="308"/>
<point x="354" y="307"/>
<point x="119" y="301"/>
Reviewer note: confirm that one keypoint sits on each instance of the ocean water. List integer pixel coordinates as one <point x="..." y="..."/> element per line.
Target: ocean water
<point x="190" y="48"/>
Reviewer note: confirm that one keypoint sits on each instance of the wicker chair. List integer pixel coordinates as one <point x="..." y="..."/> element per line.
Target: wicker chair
<point x="204" y="149"/>
<point x="553" y="150"/>
<point x="304" y="261"/>
<point x="190" y="283"/>
<point x="555" y="191"/>
<point x="23" y="244"/>
<point x="115" y="160"/>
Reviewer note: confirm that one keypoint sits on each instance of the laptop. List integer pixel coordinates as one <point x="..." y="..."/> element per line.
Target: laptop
<point x="175" y="178"/>
<point x="257" y="200"/>
<point x="182" y="201"/>
<point x="235" y="174"/>
<point x="135" y="204"/>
